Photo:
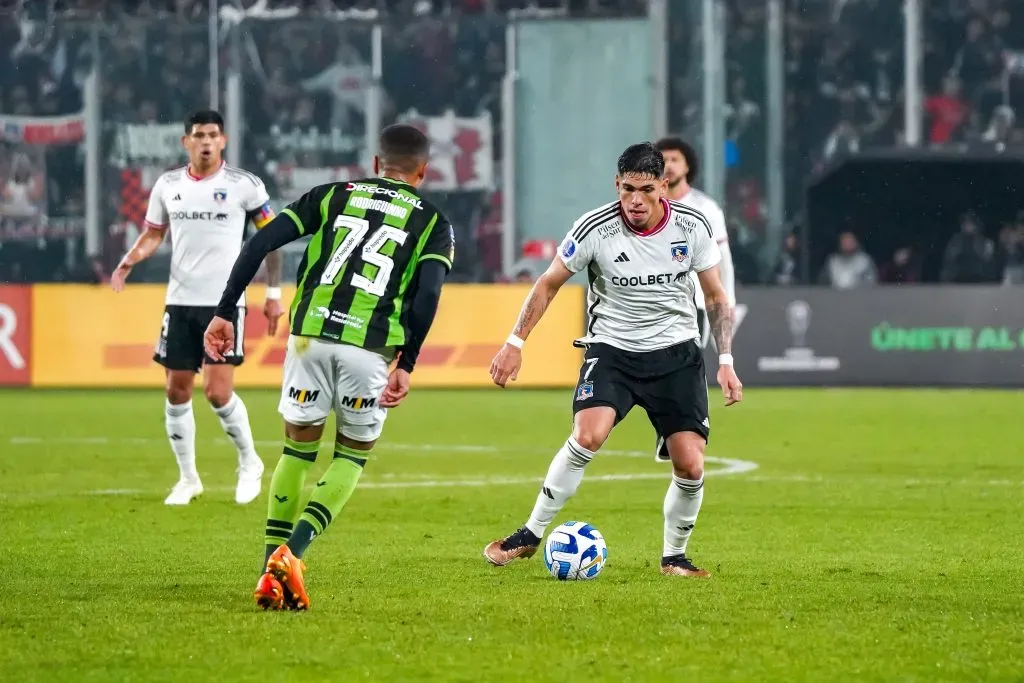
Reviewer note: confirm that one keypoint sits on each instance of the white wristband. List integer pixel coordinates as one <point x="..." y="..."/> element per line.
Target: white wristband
<point x="515" y="341"/>
<point x="725" y="359"/>
<point x="273" y="293"/>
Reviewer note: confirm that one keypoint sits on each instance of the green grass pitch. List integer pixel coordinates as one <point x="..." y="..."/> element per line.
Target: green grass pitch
<point x="878" y="539"/>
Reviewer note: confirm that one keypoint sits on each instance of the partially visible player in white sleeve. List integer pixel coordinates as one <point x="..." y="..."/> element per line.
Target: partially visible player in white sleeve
<point x="681" y="169"/>
<point x="205" y="206"/>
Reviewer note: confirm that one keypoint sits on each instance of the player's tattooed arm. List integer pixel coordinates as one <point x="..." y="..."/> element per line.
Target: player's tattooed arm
<point x="720" y="318"/>
<point x="533" y="308"/>
<point x="716" y="302"/>
<point x="540" y="297"/>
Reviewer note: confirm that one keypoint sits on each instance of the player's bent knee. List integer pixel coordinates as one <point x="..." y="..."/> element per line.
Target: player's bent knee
<point x="590" y="436"/>
<point x="218" y="385"/>
<point x="179" y="386"/>
<point x="178" y="395"/>
<point x="592" y="426"/>
<point x="217" y="394"/>
<point x="694" y="473"/>
<point x="691" y="469"/>
<point x="686" y="450"/>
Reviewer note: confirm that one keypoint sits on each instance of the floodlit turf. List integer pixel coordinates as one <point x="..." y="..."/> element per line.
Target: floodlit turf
<point x="878" y="539"/>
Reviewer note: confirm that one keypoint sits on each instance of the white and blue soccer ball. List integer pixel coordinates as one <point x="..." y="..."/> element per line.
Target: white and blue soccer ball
<point x="575" y="551"/>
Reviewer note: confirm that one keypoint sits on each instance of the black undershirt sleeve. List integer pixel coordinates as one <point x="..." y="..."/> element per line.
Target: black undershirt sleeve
<point x="274" y="235"/>
<point x="421" y="313"/>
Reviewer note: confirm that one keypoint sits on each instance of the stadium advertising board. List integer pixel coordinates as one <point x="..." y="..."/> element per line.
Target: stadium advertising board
<point x="15" y="335"/>
<point x="894" y="336"/>
<point x="85" y="336"/>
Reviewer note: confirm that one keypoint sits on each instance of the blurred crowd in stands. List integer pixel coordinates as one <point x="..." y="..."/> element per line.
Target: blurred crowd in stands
<point x="304" y="80"/>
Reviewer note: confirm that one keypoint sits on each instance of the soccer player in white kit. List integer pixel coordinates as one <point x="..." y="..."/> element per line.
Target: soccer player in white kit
<point x="205" y="206"/>
<point x="681" y="169"/>
<point x="641" y="346"/>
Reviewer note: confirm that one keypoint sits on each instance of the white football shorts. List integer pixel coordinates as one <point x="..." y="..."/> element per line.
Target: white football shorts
<point x="321" y="376"/>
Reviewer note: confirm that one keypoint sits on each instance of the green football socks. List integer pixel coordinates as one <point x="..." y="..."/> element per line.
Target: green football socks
<point x="329" y="497"/>
<point x="285" y="501"/>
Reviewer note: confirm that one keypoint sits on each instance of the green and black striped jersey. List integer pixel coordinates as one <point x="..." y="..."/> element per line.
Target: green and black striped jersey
<point x="368" y="237"/>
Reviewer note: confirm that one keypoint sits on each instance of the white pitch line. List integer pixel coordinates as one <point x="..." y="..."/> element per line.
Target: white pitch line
<point x="731" y="467"/>
<point x="384" y="445"/>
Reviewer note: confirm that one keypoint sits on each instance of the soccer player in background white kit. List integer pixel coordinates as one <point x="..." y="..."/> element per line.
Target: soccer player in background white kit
<point x="642" y="347"/>
<point x="681" y="169"/>
<point x="205" y="206"/>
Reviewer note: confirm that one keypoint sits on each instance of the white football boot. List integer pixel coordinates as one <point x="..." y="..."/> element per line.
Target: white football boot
<point x="250" y="480"/>
<point x="184" y="491"/>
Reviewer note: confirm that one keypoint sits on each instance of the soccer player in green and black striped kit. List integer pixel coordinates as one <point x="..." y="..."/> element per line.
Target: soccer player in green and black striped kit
<point x="368" y="288"/>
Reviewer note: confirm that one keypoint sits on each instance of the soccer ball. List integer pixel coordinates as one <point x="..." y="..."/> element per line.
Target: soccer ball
<point x="575" y="551"/>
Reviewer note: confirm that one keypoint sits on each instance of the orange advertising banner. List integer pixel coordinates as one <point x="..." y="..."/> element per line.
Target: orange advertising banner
<point x="88" y="336"/>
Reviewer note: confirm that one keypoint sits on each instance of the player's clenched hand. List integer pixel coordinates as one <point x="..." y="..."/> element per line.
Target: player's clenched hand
<point x="118" y="277"/>
<point x="506" y="364"/>
<point x="732" y="388"/>
<point x="272" y="309"/>
<point x="219" y="338"/>
<point x="397" y="388"/>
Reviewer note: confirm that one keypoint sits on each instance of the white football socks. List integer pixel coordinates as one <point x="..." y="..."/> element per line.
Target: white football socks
<point x="234" y="418"/>
<point x="181" y="431"/>
<point x="682" y="503"/>
<point x="563" y="478"/>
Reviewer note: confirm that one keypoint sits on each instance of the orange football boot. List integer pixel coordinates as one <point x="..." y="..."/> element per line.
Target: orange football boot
<point x="287" y="569"/>
<point x="269" y="592"/>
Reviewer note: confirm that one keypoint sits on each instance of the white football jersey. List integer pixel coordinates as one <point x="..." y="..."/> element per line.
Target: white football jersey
<point x="641" y="297"/>
<point x="695" y="199"/>
<point x="207" y="219"/>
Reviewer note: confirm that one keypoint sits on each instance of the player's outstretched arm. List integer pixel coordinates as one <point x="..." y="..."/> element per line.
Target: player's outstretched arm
<point x="716" y="300"/>
<point x="220" y="336"/>
<point x="506" y="364"/>
<point x="144" y="247"/>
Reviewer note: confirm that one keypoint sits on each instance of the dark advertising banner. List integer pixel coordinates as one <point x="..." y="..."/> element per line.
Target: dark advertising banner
<point x="963" y="336"/>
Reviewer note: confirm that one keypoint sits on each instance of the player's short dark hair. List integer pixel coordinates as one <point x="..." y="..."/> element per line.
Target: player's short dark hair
<point x="676" y="144"/>
<point x="203" y="117"/>
<point x="643" y="159"/>
<point x="403" y="147"/>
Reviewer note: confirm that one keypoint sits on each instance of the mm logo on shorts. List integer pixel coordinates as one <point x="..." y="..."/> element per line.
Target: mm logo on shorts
<point x="303" y="395"/>
<point x="358" y="403"/>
